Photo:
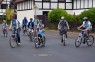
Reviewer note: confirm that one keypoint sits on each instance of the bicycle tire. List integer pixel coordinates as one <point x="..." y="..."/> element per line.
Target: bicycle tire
<point x="31" y="37"/>
<point x="78" y="40"/>
<point x="90" y="40"/>
<point x="64" y="39"/>
<point x="13" y="42"/>
<point x="36" y="43"/>
<point x="44" y="41"/>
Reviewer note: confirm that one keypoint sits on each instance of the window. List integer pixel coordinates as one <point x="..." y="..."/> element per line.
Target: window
<point x="46" y="0"/>
<point x="62" y="0"/>
<point x="3" y="6"/>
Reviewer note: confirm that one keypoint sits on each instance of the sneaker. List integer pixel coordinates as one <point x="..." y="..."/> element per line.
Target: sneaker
<point x="83" y="42"/>
<point x="19" y="43"/>
<point x="61" y="40"/>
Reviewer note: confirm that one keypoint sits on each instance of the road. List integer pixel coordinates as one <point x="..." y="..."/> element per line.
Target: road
<point x="53" y="52"/>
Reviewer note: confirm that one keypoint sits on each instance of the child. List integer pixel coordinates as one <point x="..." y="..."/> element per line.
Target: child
<point x="4" y="25"/>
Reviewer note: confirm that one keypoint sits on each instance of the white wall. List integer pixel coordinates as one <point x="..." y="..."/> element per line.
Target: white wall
<point x="84" y="4"/>
<point x="21" y="14"/>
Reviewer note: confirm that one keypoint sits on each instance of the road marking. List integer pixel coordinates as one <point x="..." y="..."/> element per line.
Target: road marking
<point x="42" y="55"/>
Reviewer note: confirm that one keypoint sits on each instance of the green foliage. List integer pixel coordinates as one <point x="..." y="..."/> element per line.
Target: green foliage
<point x="88" y="13"/>
<point x="2" y="17"/>
<point x="74" y="21"/>
<point x="46" y="28"/>
<point x="56" y="14"/>
<point x="9" y="13"/>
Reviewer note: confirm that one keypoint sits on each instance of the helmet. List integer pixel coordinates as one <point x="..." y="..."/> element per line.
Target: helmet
<point x="62" y="17"/>
<point x="85" y="18"/>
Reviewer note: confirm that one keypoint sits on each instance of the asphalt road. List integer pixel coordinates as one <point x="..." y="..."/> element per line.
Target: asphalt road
<point x="53" y="52"/>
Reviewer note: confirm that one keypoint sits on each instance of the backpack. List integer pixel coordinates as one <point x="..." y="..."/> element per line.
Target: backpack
<point x="63" y="25"/>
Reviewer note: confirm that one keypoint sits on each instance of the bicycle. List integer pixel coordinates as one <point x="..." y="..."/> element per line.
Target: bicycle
<point x="31" y="34"/>
<point x="83" y="38"/>
<point x="13" y="39"/>
<point x="24" y="30"/>
<point x="39" y="41"/>
<point x="64" y="36"/>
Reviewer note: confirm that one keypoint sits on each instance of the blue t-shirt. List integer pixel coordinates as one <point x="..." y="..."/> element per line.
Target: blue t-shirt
<point x="15" y="23"/>
<point x="35" y="21"/>
<point x="87" y="24"/>
<point x="30" y="26"/>
<point x="4" y="25"/>
<point x="40" y="31"/>
<point x="24" y="22"/>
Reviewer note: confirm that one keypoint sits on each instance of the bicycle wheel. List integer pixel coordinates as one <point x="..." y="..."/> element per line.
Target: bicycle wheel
<point x="6" y="33"/>
<point x="36" y="42"/>
<point x="13" y="42"/>
<point x="78" y="41"/>
<point x="31" y="37"/>
<point x="43" y="41"/>
<point x="64" y="39"/>
<point x="90" y="40"/>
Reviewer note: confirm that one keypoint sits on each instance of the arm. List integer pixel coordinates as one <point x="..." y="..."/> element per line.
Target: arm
<point x="28" y="24"/>
<point x="33" y="25"/>
<point x="59" y="26"/>
<point x="67" y="24"/>
<point x="80" y="26"/>
<point x="10" y="27"/>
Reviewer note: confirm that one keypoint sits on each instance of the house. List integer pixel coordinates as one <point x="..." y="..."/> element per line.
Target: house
<point x="25" y="8"/>
<point x="3" y="4"/>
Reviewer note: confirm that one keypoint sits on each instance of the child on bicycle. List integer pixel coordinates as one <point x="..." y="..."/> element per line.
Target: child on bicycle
<point x="40" y="27"/>
<point x="62" y="27"/>
<point x="87" y="26"/>
<point x="4" y="25"/>
<point x="31" y="25"/>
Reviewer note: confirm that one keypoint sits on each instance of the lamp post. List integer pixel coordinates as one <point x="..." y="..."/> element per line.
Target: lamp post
<point x="35" y="8"/>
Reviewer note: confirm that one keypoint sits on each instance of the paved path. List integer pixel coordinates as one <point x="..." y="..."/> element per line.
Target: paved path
<point x="53" y="52"/>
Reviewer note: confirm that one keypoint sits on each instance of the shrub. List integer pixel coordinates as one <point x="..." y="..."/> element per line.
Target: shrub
<point x="54" y="17"/>
<point x="56" y="14"/>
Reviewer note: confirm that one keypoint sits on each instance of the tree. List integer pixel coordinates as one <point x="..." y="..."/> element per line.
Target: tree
<point x="9" y="13"/>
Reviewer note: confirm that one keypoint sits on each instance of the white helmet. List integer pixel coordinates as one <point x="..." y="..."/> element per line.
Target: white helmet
<point x="85" y="18"/>
<point x="62" y="17"/>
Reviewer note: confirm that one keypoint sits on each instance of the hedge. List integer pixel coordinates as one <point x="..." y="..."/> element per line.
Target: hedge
<point x="74" y="21"/>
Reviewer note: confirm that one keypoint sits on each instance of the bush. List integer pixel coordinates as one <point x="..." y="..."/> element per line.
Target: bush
<point x="56" y="14"/>
<point x="54" y="17"/>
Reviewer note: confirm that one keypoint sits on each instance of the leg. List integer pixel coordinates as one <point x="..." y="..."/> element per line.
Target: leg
<point x="18" y="36"/>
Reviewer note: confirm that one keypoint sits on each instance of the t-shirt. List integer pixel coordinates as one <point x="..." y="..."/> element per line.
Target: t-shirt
<point x="4" y="25"/>
<point x="30" y="25"/>
<point x="40" y="31"/>
<point x="35" y="22"/>
<point x="87" y="24"/>
<point x="15" y="23"/>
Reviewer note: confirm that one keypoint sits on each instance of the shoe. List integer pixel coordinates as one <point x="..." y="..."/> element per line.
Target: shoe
<point x="19" y="43"/>
<point x="84" y="42"/>
<point x="62" y="41"/>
